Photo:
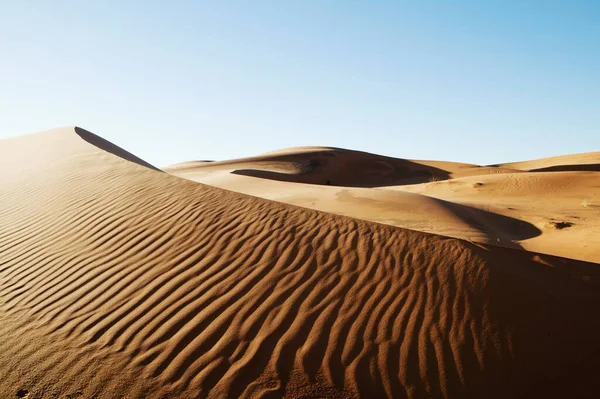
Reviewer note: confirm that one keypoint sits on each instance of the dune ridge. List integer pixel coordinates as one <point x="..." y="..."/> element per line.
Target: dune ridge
<point x="117" y="280"/>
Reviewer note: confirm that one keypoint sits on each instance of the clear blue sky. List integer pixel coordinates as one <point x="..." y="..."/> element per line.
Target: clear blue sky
<point x="472" y="81"/>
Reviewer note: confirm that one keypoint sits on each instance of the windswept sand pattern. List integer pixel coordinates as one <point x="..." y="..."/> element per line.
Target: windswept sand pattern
<point x="117" y="280"/>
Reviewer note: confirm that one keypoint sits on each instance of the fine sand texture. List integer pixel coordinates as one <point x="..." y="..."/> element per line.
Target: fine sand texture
<point x="118" y="280"/>
<point x="554" y="208"/>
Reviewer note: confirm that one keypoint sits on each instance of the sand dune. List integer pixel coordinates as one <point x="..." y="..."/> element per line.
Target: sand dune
<point x="563" y="206"/>
<point x="584" y="161"/>
<point x="404" y="209"/>
<point x="118" y="280"/>
<point x="499" y="205"/>
<point x="336" y="166"/>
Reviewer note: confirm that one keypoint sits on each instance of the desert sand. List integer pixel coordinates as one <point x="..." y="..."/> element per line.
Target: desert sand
<point x="518" y="205"/>
<point x="303" y="273"/>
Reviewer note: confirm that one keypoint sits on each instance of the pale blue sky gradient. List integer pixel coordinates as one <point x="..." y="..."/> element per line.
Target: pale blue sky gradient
<point x="472" y="81"/>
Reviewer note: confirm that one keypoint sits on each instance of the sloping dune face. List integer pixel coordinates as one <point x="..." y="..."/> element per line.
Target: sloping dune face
<point x="587" y="161"/>
<point x="332" y="166"/>
<point x="117" y="280"/>
<point x="552" y="209"/>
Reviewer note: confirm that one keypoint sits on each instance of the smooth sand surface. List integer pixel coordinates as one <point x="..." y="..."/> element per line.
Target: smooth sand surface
<point x="563" y="206"/>
<point x="118" y="280"/>
<point x="584" y="161"/>
<point x="556" y="212"/>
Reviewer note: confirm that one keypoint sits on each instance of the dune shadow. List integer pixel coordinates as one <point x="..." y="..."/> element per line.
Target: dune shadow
<point x="107" y="146"/>
<point x="377" y="173"/>
<point x="500" y="229"/>
<point x="590" y="167"/>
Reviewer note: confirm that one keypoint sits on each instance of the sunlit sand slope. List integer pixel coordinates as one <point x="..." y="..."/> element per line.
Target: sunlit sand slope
<point x="585" y="161"/>
<point x="553" y="210"/>
<point x="118" y="280"/>
<point x="563" y="206"/>
<point x="390" y="206"/>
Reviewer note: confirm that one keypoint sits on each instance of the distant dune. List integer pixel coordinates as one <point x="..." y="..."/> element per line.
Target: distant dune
<point x="566" y="162"/>
<point x="502" y="205"/>
<point x="337" y="166"/>
<point x="118" y="280"/>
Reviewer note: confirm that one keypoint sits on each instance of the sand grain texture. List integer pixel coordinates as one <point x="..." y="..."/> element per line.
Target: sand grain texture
<point x="120" y="281"/>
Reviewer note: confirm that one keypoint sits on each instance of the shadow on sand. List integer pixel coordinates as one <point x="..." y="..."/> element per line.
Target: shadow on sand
<point x="499" y="229"/>
<point x="376" y="174"/>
